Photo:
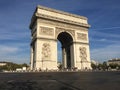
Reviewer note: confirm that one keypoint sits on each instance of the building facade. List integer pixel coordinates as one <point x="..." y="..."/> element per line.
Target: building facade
<point x="47" y="27"/>
<point x="3" y="63"/>
<point x="114" y="61"/>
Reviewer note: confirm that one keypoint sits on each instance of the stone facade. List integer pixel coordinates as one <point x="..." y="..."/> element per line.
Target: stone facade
<point x="50" y="25"/>
<point x="3" y="63"/>
<point x="114" y="61"/>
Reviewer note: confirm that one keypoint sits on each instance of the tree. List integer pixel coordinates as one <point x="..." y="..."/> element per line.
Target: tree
<point x="60" y="66"/>
<point x="113" y="65"/>
<point x="24" y="65"/>
<point x="12" y="66"/>
<point x="94" y="66"/>
<point x="104" y="66"/>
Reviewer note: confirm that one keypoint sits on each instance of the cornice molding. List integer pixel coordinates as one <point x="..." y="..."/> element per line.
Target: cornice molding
<point x="81" y="43"/>
<point x="61" y="20"/>
<point x="61" y="12"/>
<point x="63" y="25"/>
<point x="37" y="15"/>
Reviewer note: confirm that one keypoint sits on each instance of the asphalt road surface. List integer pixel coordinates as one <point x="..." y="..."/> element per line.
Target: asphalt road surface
<point x="60" y="81"/>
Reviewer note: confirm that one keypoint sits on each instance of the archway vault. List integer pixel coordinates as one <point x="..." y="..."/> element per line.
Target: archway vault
<point x="66" y="42"/>
<point x="65" y="38"/>
<point x="60" y="30"/>
<point x="49" y="25"/>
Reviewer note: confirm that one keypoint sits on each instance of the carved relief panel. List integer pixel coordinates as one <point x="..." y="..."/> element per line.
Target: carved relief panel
<point x="59" y="30"/>
<point x="46" y="31"/>
<point x="46" y="51"/>
<point x="83" y="54"/>
<point x="63" y="25"/>
<point x="81" y="36"/>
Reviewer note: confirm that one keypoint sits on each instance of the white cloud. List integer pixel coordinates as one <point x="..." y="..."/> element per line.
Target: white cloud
<point x="106" y="53"/>
<point x="7" y="49"/>
<point x="14" y="35"/>
<point x="15" y="52"/>
<point x="103" y="34"/>
<point x="108" y="28"/>
<point x="103" y="39"/>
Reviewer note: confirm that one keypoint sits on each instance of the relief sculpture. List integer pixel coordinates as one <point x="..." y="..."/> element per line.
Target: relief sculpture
<point x="83" y="54"/>
<point x="46" y="51"/>
<point x="81" y="36"/>
<point x="46" y="31"/>
<point x="58" y="30"/>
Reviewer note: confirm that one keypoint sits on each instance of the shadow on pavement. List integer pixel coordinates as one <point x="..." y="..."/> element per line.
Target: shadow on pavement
<point x="20" y="85"/>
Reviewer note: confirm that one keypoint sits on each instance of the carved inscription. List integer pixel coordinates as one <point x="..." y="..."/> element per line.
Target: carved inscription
<point x="46" y="51"/>
<point x="83" y="54"/>
<point x="46" y="31"/>
<point x="81" y="36"/>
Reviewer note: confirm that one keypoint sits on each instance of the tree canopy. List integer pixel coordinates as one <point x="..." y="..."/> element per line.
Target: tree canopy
<point x="12" y="66"/>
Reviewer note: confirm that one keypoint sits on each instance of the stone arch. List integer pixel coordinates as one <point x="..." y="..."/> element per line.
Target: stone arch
<point x="66" y="41"/>
<point x="49" y="25"/>
<point x="60" y="30"/>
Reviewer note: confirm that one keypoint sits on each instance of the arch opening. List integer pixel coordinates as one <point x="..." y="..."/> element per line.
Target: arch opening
<point x="66" y="41"/>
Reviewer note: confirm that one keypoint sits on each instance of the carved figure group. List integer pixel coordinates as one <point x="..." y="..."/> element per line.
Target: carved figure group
<point x="83" y="54"/>
<point x="46" y="52"/>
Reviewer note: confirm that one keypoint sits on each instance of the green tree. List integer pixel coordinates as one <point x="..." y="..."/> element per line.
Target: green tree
<point x="24" y="65"/>
<point x="94" y="66"/>
<point x="104" y="66"/>
<point x="60" y="66"/>
<point x="113" y="65"/>
<point x="100" y="66"/>
<point x="12" y="66"/>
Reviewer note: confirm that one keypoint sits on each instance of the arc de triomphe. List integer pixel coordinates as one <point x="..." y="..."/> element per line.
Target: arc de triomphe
<point x="50" y="25"/>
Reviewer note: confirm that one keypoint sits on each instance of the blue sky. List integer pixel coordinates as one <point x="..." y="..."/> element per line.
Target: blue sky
<point x="103" y="16"/>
